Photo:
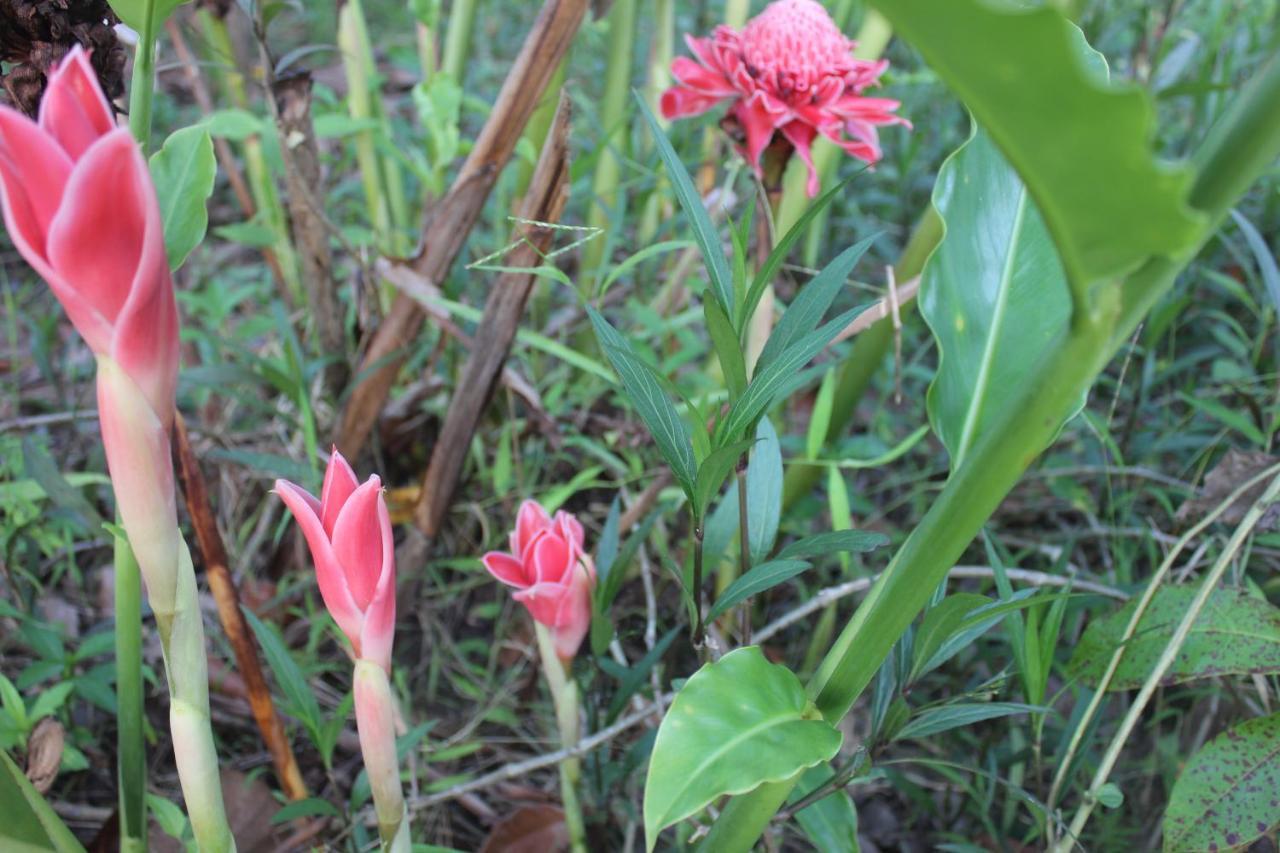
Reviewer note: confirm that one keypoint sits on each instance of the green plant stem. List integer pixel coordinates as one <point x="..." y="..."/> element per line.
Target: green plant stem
<point x="864" y="360"/>
<point x="131" y="764"/>
<point x="1245" y="144"/>
<point x="1167" y="657"/>
<point x="457" y="40"/>
<point x="375" y="720"/>
<point x="744" y="552"/>
<point x="699" y="631"/>
<point x="1140" y="609"/>
<point x="564" y="695"/>
<point x="142" y="86"/>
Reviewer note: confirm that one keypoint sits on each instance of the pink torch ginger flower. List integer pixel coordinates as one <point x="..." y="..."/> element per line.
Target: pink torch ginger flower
<point x="349" y="533"/>
<point x="790" y="70"/>
<point x="551" y="572"/>
<point x="80" y="206"/>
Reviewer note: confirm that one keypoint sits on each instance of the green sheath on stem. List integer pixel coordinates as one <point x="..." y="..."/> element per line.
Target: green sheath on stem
<point x="375" y="720"/>
<point x="564" y="695"/>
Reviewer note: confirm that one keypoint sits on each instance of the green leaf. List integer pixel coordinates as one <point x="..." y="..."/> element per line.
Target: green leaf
<point x="832" y="822"/>
<point x="811" y="303"/>
<point x="712" y="473"/>
<point x="772" y="381"/>
<point x="820" y="544"/>
<point x="757" y="580"/>
<point x="651" y="403"/>
<point x="134" y="12"/>
<point x="960" y="619"/>
<point x="635" y="676"/>
<point x="736" y="724"/>
<point x="728" y="348"/>
<point x="184" y="170"/>
<point x="310" y="807"/>
<point x="936" y="720"/>
<point x="1088" y="160"/>
<point x="48" y="702"/>
<point x="302" y="701"/>
<point x="820" y="417"/>
<point x="1225" y="798"/>
<point x="1235" y="634"/>
<point x="29" y="822"/>
<point x="993" y="292"/>
<point x="764" y="491"/>
<point x="704" y="233"/>
<point x="1110" y="796"/>
<point x="11" y="702"/>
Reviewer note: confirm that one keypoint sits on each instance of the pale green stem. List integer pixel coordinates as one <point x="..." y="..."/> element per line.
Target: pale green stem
<point x="1140" y="608"/>
<point x="612" y="146"/>
<point x="564" y="695"/>
<point x="457" y="40"/>
<point x="375" y="721"/>
<point x="142" y="86"/>
<point x="1166" y="660"/>
<point x="131" y="763"/>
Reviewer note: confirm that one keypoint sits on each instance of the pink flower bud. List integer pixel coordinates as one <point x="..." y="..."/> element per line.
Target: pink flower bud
<point x="349" y="533"/>
<point x="80" y="206"/>
<point x="790" y="71"/>
<point x="551" y="572"/>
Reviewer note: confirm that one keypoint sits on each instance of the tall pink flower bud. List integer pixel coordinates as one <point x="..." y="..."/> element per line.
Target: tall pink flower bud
<point x="551" y="572"/>
<point x="348" y="530"/>
<point x="791" y="71"/>
<point x="80" y="206"/>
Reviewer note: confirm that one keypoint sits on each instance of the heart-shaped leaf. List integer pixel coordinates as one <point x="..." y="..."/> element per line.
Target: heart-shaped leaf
<point x="736" y="724"/>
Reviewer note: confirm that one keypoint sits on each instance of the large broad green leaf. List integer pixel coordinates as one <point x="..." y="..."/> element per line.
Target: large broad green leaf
<point x="1228" y="795"/>
<point x="29" y="824"/>
<point x="1234" y="635"/>
<point x="994" y="293"/>
<point x="134" y="12"/>
<point x="651" y="402"/>
<point x="736" y="724"/>
<point x="184" y="170"/>
<point x="1081" y="144"/>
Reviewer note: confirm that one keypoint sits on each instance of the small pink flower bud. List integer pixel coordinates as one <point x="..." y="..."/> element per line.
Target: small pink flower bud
<point x="551" y="572"/>
<point x="349" y="533"/>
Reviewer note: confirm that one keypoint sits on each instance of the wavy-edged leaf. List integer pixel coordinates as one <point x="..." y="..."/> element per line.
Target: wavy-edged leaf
<point x="736" y="724"/>
<point x="758" y="579"/>
<point x="704" y="233"/>
<point x="811" y="303"/>
<point x="835" y="541"/>
<point x="1087" y="161"/>
<point x="1235" y="634"/>
<point x="993" y="292"/>
<point x="650" y="401"/>
<point x="1228" y="795"/>
<point x="183" y="171"/>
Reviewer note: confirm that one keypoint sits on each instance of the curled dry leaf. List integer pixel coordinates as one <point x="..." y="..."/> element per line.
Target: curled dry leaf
<point x="44" y="753"/>
<point x="1236" y="467"/>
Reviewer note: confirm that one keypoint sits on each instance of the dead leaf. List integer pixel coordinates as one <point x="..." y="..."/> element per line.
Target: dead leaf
<point x="1233" y="470"/>
<point x="44" y="753"/>
<point x="529" y="829"/>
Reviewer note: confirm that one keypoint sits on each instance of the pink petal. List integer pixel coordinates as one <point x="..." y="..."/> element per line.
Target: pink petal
<point x="358" y="541"/>
<point x="700" y="79"/>
<point x="801" y="136"/>
<point x="678" y="102"/>
<point x="339" y="482"/>
<point x="551" y="558"/>
<point x="505" y="568"/>
<point x="530" y="521"/>
<point x="758" y="122"/>
<point x="570" y="529"/>
<point x="542" y="600"/>
<point x="380" y="617"/>
<point x="74" y="111"/>
<point x="573" y="616"/>
<point x="329" y="575"/>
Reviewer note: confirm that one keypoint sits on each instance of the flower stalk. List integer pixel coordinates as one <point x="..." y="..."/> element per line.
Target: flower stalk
<point x="375" y="722"/>
<point x="564" y="695"/>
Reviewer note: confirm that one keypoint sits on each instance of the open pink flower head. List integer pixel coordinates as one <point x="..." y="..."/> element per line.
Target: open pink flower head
<point x="790" y="70"/>
<point x="349" y="533"/>
<point x="80" y="206"/>
<point x="551" y="572"/>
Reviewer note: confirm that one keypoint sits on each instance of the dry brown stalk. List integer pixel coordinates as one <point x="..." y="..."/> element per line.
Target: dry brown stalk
<point x="453" y="218"/>
<point x="213" y="555"/>
<point x="543" y="203"/>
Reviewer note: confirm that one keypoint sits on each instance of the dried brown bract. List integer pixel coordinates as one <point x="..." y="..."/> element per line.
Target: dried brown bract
<point x="36" y="34"/>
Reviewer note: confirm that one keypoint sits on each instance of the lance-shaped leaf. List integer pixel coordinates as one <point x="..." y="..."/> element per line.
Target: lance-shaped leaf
<point x="994" y="294"/>
<point x="736" y="724"/>
<point x="1087" y="160"/>
<point x="183" y="171"/>
<point x="759" y="579"/>
<point x="1228" y="795"/>
<point x="651" y="402"/>
<point x="29" y="822"/>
